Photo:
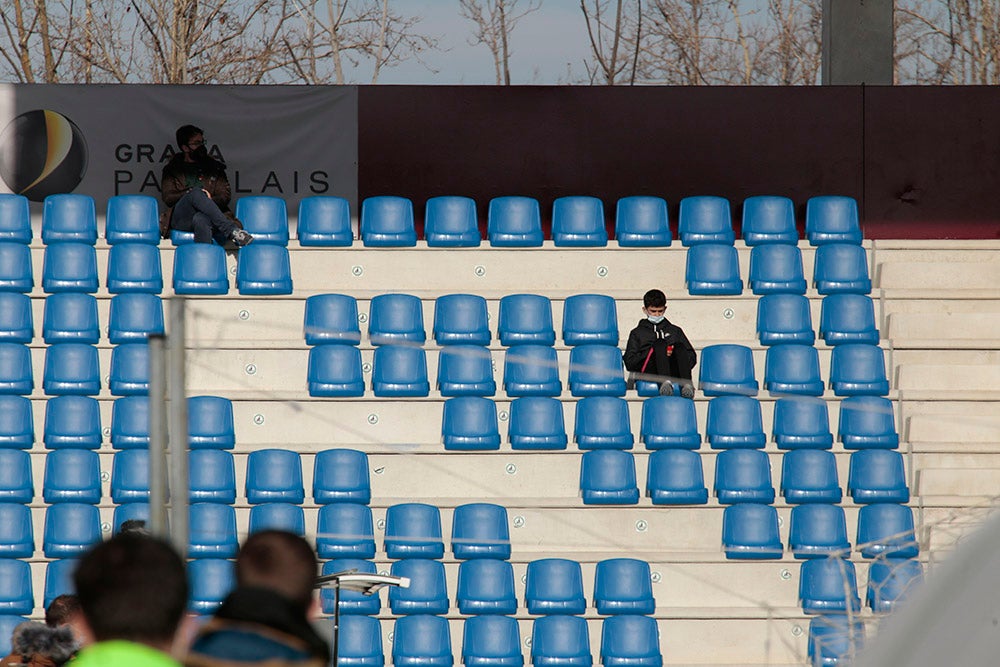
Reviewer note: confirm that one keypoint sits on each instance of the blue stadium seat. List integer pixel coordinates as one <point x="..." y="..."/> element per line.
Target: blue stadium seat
<point x="130" y="476"/>
<point x="705" y="220"/>
<point x="669" y="422"/>
<point x="491" y="641"/>
<point x="130" y="369"/>
<point x="210" y="423"/>
<point x="607" y="477"/>
<point x="784" y="318"/>
<point x="59" y="579"/>
<point x="324" y="221"/>
<point x="768" y="219"/>
<point x="840" y="268"/>
<point x="470" y="423"/>
<point x="16" y="484"/>
<point x="792" y="369"/>
<point x="578" y="221"/>
<point x="642" y="222"/>
<point x="810" y="476"/>
<point x="554" y="586"/>
<point x="602" y="422"/>
<point x="70" y="529"/>
<point x="743" y="476"/>
<point x="832" y="219"/>
<point x="132" y="219"/>
<point x="465" y="370"/>
<point x="130" y="512"/>
<point x="277" y="516"/>
<point x="264" y="269"/>
<point x="848" y="318"/>
<point x="802" y="422"/>
<point x="886" y="530"/>
<point x="70" y="317"/>
<point x="134" y="317"/>
<point x="265" y="217"/>
<point x="15" y="267"/>
<point x="360" y="642"/>
<point x="134" y="267"/>
<point x="387" y="222"/>
<point x="179" y="238"/>
<point x="596" y="370"/>
<point x="200" y="268"/>
<point x="331" y="318"/>
<point x="891" y="581"/>
<point x="396" y="318"/>
<point x="713" y="269"/>
<point x="834" y="639"/>
<point x="70" y="267"/>
<point x="335" y="370"/>
<point x="818" y="531"/>
<point x="560" y="641"/>
<point x="7" y="624"/>
<point x="727" y="369"/>
<point x="351" y="602"/>
<point x="422" y="640"/>
<point x="427" y="592"/>
<point x="212" y="476"/>
<point x="17" y="323"/>
<point x="15" y="219"/>
<point x="735" y="422"/>
<point x="72" y="476"/>
<point x="828" y="585"/>
<point x="675" y="477"/>
<point x="210" y="581"/>
<point x="776" y="269"/>
<point x="877" y="476"/>
<point x="69" y="218"/>
<point x="630" y="641"/>
<point x="274" y="476"/>
<point x="461" y="319"/>
<point x="514" y="222"/>
<point x="451" y="222"/>
<point x="486" y="586"/>
<point x="623" y="586"/>
<point x="867" y="422"/>
<point x="15" y="369"/>
<point x="480" y="530"/>
<point x="17" y="425"/>
<point x="750" y="532"/>
<point x="17" y="534"/>
<point x="536" y="422"/>
<point x="212" y="531"/>
<point x="413" y="530"/>
<point x="16" y="595"/>
<point x="531" y="370"/>
<point x="341" y="476"/>
<point x="590" y="318"/>
<point x="526" y="319"/>
<point x="129" y="423"/>
<point x="858" y="370"/>
<point x="344" y="530"/>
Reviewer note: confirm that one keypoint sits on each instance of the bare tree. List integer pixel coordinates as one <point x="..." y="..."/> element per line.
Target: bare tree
<point x="495" y="22"/>
<point x="615" y="33"/>
<point x="29" y="47"/>
<point x="948" y="41"/>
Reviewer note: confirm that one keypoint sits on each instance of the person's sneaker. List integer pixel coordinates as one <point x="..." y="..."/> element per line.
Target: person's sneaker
<point x="667" y="389"/>
<point x="687" y="391"/>
<point x="241" y="237"/>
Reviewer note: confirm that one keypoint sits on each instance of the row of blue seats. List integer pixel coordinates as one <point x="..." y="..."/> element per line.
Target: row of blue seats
<point x="830" y="586"/>
<point x="74" y="369"/>
<point x="71" y="317"/>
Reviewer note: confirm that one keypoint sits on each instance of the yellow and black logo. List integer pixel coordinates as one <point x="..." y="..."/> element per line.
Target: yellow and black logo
<point x="42" y="152"/>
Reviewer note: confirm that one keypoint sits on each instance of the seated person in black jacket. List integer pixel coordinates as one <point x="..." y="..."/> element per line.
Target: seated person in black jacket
<point x="659" y="349"/>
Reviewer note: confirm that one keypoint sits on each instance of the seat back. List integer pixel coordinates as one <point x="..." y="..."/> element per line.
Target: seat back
<point x="70" y="317"/>
<point x="324" y="221"/>
<point x="17" y="425"/>
<point x="130" y="369"/>
<point x="891" y="581"/>
<point x="461" y="319"/>
<point x="470" y="422"/>
<point x="642" y="222"/>
<point x="867" y="422"/>
<point x="630" y="641"/>
<point x="351" y="602"/>
<point x="72" y="422"/>
<point x="69" y="267"/>
<point x="200" y="268"/>
<point x="134" y="317"/>
<point x="776" y="268"/>
<point x="335" y="370"/>
<point x="727" y="369"/>
<point x="578" y="221"/>
<point x="828" y="585"/>
<point x="491" y="641"/>
<point x="465" y="370"/>
<point x="750" y="532"/>
<point x="857" y="369"/>
<point x="560" y="640"/>
<point x="607" y="477"/>
<point x="58" y="580"/>
<point x="266" y="218"/>
<point x="554" y="586"/>
<point x="130" y="422"/>
<point x="212" y="531"/>
<point x="705" y="220"/>
<point x="713" y="269"/>
<point x="480" y="530"/>
<point x="274" y="476"/>
<point x="848" y="318"/>
<point x="743" y="476"/>
<point x="16" y="484"/>
<point x="15" y="369"/>
<point x="451" y="222"/>
<point x="277" y="516"/>
<point x="134" y="267"/>
<point x="596" y="370"/>
<point x="784" y="318"/>
<point x="17" y="322"/>
<point x="818" y="530"/>
<point x="886" y="530"/>
<point x="212" y="476"/>
<point x="210" y="423"/>
<point x="17" y="534"/>
<point x="526" y="319"/>
<point x="768" y="219"/>
<point x="427" y="592"/>
<point x="130" y="476"/>
<point x="331" y="318"/>
<point x="832" y="219"/>
<point x="801" y="422"/>
<point x="400" y="370"/>
<point x="341" y="476"/>
<point x="264" y="269"/>
<point x="792" y="369"/>
<point x="16" y="594"/>
<point x="70" y="529"/>
<point x="360" y="643"/>
<point x="211" y="580"/>
<point x="841" y="268"/>
<point x="735" y="422"/>
<point x="834" y="639"/>
<point x="413" y="530"/>
<point x="421" y="640"/>
<point x="132" y="219"/>
<point x="590" y="318"/>
<point x="810" y="476"/>
<point x="344" y="530"/>
<point x="71" y="368"/>
<point x="15" y="219"/>
<point x="69" y="218"/>
<point x="669" y="422"/>
<point x="531" y="370"/>
<point x="514" y="222"/>
<point x="602" y="422"/>
<point x="675" y="477"/>
<point x="623" y="586"/>
<point x="15" y="267"/>
<point x="486" y="586"/>
<point x="536" y="422"/>
<point x="387" y="222"/>
<point x="396" y="318"/>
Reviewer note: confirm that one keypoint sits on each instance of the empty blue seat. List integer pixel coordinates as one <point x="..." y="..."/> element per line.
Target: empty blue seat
<point x="387" y="222"/>
<point x="578" y="221"/>
<point x="451" y="222"/>
<point x="132" y="219"/>
<point x="130" y="369"/>
<point x="526" y="319"/>
<point x="630" y="641"/>
<point x="669" y="422"/>
<point x="427" y="592"/>
<point x="642" y="222"/>
<point x="335" y="370"/>
<point x="360" y="642"/>
<point x="70" y="529"/>
<point x="705" y="220"/>
<point x="465" y="370"/>
<point x="735" y="422"/>
<point x="413" y="530"/>
<point x="16" y="596"/>
<point x="470" y="423"/>
<point x="70" y="317"/>
<point x="274" y="476"/>
<point x="396" y="318"/>
<point x="266" y="218"/>
<point x="399" y="370"/>
<point x="832" y="219"/>
<point x="277" y="516"/>
<point x="15" y="369"/>
<point x="623" y="586"/>
<point x="554" y="586"/>
<point x="602" y="422"/>
<point x="341" y="476"/>
<point x="801" y="422"/>
<point x="344" y="530"/>
<point x="210" y="581"/>
<point x="210" y="423"/>
<point x="72" y="476"/>
<point x="560" y="641"/>
<point x="818" y="531"/>
<point x="17" y="535"/>
<point x="212" y="531"/>
<point x="675" y="477"/>
<point x="531" y="370"/>
<point x="134" y="317"/>
<point x="877" y="476"/>
<point x="536" y="422"/>
<point x="848" y="318"/>
<point x="324" y="221"/>
<point x="792" y="369"/>
<point x="461" y="319"/>
<point x="768" y="219"/>
<point x="514" y="222"/>
<point x="491" y="641"/>
<point x="834" y="639"/>
<point x="858" y="370"/>
<point x="828" y="585"/>
<point x="17" y="323"/>
<point x="72" y="422"/>
<point x="331" y="318"/>
<point x="212" y="476"/>
<point x="69" y="267"/>
<point x="727" y="369"/>
<point x="134" y="267"/>
<point x="886" y="529"/>
<point x="69" y="218"/>
<point x="590" y="318"/>
<point x="422" y="640"/>
<point x="713" y="269"/>
<point x="486" y="586"/>
<point x="130" y="512"/>
<point x="130" y="476"/>
<point x="596" y="370"/>
<point x="480" y="530"/>
<point x="7" y="624"/>
<point x="351" y="602"/>
<point x="264" y="269"/>
<point x="867" y="422"/>
<point x="743" y="476"/>
<point x="750" y="532"/>
<point x="200" y="268"/>
<point x="17" y="425"/>
<point x="810" y="476"/>
<point x="15" y="267"/>
<point x="16" y="485"/>
<point x="607" y="477"/>
<point x="784" y="318"/>
<point x="891" y="581"/>
<point x="129" y="423"/>
<point x="840" y="268"/>
<point x="15" y="219"/>
<point x="58" y="579"/>
<point x="776" y="269"/>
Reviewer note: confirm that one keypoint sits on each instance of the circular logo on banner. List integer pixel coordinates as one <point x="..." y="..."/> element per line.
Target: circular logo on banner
<point x="42" y="153"/>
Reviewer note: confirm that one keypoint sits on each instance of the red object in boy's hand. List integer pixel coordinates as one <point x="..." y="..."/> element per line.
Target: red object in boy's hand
<point x="670" y="350"/>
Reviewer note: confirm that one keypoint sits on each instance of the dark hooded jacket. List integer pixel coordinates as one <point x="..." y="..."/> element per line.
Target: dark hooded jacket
<point x="179" y="176"/>
<point x="648" y="343"/>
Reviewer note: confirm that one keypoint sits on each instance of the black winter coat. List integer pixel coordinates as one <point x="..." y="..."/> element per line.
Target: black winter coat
<point x="647" y="337"/>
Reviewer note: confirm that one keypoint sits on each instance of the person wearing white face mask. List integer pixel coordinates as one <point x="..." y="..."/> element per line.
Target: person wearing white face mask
<point x="658" y="348"/>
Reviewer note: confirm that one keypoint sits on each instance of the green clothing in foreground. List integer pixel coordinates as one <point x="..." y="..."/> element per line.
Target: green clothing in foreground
<point x="120" y="653"/>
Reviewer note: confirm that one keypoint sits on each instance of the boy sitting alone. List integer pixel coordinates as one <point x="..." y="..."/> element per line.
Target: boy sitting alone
<point x="658" y="348"/>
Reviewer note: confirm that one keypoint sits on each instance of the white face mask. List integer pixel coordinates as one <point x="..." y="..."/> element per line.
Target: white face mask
<point x="656" y="319"/>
